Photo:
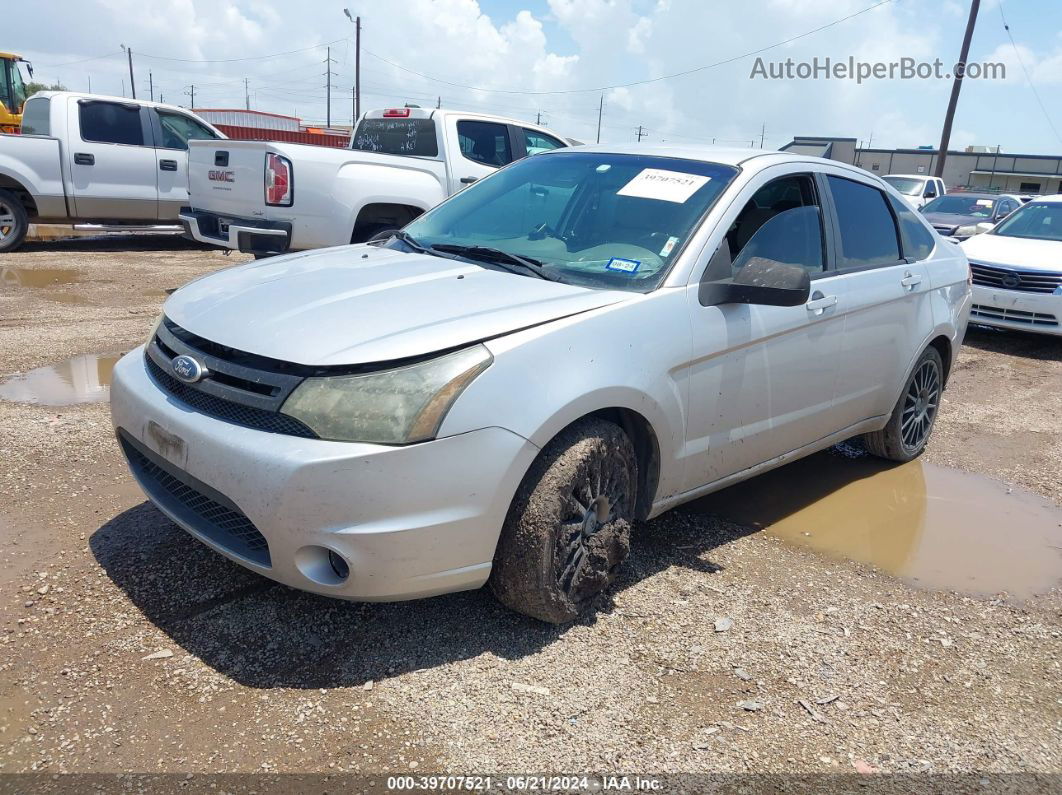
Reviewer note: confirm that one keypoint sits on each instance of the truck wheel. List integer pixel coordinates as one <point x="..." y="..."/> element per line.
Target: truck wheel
<point x="905" y="436"/>
<point x="568" y="528"/>
<point x="14" y="223"/>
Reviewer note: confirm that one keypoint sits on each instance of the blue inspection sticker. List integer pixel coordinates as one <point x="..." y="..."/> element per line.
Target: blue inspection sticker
<point x="623" y="265"/>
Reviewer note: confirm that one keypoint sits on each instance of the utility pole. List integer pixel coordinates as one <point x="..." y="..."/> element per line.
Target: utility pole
<point x="90" y="83"/>
<point x="538" y="118"/>
<point x="992" y="179"/>
<point x="600" y="111"/>
<point x="438" y="102"/>
<point x="960" y="70"/>
<point x="151" y="86"/>
<point x="192" y="105"/>
<point x="357" y="67"/>
<point x="246" y="95"/>
<point x="640" y="133"/>
<point x="132" y="82"/>
<point x="763" y="132"/>
<point x="328" y="86"/>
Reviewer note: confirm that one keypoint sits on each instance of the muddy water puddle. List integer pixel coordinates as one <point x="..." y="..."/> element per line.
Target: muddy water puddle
<point x="38" y="277"/>
<point x="934" y="527"/>
<point x="83" y="379"/>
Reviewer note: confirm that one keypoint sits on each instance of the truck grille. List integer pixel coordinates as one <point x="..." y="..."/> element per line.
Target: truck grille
<point x="1012" y="279"/>
<point x="1012" y="316"/>
<point x="207" y="512"/>
<point x="236" y="389"/>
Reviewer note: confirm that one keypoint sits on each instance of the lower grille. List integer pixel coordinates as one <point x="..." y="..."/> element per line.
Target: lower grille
<point x="209" y="513"/>
<point x="1012" y="315"/>
<point x="248" y="416"/>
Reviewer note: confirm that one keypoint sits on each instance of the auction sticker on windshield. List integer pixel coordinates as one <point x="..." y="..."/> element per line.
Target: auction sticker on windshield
<point x="623" y="265"/>
<point x="663" y="185"/>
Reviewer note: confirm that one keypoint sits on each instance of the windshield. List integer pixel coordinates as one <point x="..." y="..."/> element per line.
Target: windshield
<point x="17" y="87"/>
<point x="1037" y="220"/>
<point x="599" y="220"/>
<point x="957" y="204"/>
<point x="906" y="185"/>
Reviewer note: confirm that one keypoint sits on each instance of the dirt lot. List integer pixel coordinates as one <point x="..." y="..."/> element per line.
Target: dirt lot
<point x="128" y="646"/>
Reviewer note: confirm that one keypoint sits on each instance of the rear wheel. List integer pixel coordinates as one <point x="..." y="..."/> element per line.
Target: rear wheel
<point x="14" y="223"/>
<point x="907" y="432"/>
<point x="568" y="528"/>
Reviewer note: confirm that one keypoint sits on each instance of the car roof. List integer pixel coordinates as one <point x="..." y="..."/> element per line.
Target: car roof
<point x="112" y="98"/>
<point x="912" y="176"/>
<point x="1054" y="198"/>
<point x="973" y="194"/>
<point x="728" y="156"/>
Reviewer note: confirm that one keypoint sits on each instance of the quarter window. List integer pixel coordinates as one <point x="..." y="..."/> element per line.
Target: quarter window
<point x="178" y="130"/>
<point x="111" y="123"/>
<point x="485" y="142"/>
<point x="866" y="225"/>
<point x="536" y="142"/>
<point x="918" y="242"/>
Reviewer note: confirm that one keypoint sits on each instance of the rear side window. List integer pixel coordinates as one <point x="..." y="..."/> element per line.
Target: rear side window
<point x="411" y="137"/>
<point x="918" y="242"/>
<point x="485" y="142"/>
<point x="867" y="229"/>
<point x="111" y="123"/>
<point x="36" y="117"/>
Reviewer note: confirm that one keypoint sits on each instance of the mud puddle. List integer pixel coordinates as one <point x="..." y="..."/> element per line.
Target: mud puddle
<point x="934" y="527"/>
<point x="83" y="379"/>
<point x="37" y="277"/>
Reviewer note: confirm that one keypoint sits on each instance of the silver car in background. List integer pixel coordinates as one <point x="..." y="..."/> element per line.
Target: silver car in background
<point x="584" y="339"/>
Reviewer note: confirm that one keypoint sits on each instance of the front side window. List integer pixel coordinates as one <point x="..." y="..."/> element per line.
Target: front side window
<point x="931" y="190"/>
<point x="18" y="88"/>
<point x="599" y="220"/>
<point x="536" y="142"/>
<point x="781" y="222"/>
<point x="1036" y="220"/>
<point x="918" y="242"/>
<point x="485" y="142"/>
<point x="111" y="123"/>
<point x="178" y="130"/>
<point x="867" y="229"/>
<point x="5" y="94"/>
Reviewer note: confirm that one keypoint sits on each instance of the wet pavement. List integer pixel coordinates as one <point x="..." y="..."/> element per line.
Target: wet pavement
<point x="83" y="379"/>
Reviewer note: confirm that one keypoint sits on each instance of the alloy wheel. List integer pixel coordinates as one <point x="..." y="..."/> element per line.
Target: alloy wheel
<point x="920" y="406"/>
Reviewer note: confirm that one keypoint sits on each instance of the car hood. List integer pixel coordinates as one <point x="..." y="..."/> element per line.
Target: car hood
<point x="1015" y="252"/>
<point x="362" y="304"/>
<point x="951" y="219"/>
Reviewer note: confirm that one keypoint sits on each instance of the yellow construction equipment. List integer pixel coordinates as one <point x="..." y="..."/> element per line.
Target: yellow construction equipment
<point x="12" y="91"/>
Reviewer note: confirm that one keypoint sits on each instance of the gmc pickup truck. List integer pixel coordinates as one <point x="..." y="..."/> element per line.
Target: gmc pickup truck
<point x="268" y="198"/>
<point x="83" y="158"/>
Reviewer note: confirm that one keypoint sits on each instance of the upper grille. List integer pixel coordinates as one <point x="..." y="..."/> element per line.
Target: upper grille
<point x="200" y="507"/>
<point x="1013" y="279"/>
<point x="239" y="388"/>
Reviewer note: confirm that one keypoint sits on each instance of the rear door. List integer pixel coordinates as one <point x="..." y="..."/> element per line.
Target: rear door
<point x="172" y="131"/>
<point x="476" y="149"/>
<point x="112" y="161"/>
<point x="887" y="312"/>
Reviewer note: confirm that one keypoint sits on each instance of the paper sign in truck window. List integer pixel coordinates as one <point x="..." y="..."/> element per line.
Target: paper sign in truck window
<point x="663" y="185"/>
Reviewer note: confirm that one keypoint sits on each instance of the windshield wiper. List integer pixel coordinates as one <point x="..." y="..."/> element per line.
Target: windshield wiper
<point x="498" y="257"/>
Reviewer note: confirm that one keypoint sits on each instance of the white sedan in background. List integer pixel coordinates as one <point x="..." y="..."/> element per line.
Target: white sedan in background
<point x="1017" y="270"/>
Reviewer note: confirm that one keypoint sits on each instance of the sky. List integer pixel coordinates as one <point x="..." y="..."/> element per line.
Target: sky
<point x="556" y="59"/>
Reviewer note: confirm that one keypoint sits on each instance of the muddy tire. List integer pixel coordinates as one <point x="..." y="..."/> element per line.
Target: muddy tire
<point x="907" y="432"/>
<point x="568" y="528"/>
<point x="14" y="223"/>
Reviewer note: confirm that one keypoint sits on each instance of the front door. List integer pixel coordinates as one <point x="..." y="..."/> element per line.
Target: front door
<point x="111" y="160"/>
<point x="762" y="378"/>
<point x="477" y="149"/>
<point x="172" y="132"/>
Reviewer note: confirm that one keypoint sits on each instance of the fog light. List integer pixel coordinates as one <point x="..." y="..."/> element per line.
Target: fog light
<point x="339" y="566"/>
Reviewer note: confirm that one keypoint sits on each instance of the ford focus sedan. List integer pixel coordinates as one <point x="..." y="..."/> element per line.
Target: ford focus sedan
<point x="493" y="395"/>
<point x="1017" y="270"/>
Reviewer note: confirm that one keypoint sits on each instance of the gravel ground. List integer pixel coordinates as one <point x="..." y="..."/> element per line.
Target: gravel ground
<point x="128" y="646"/>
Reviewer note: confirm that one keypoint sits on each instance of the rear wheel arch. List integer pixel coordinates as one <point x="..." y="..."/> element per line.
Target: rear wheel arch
<point x="20" y="192"/>
<point x="943" y="347"/>
<point x="375" y="217"/>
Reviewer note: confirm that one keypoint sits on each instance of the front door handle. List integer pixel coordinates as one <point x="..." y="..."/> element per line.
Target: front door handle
<point x="84" y="159"/>
<point x="819" y="303"/>
<point x="167" y="165"/>
<point x="468" y="180"/>
<point x="910" y="281"/>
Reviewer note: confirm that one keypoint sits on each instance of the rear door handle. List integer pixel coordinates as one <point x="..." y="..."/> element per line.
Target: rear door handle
<point x="167" y="165"/>
<point x="910" y="281"/>
<point x="468" y="180"/>
<point x="84" y="159"/>
<point x="819" y="303"/>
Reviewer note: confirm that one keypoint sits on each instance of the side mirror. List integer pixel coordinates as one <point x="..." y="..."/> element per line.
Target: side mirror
<point x="762" y="281"/>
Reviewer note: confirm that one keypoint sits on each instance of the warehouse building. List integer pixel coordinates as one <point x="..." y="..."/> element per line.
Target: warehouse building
<point x="978" y="168"/>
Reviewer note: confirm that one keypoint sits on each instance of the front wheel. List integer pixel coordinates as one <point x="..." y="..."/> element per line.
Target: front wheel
<point x="568" y="528"/>
<point x="907" y="432"/>
<point x="14" y="223"/>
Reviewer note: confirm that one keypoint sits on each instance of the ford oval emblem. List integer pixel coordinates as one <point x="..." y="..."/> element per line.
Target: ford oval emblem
<point x="188" y="369"/>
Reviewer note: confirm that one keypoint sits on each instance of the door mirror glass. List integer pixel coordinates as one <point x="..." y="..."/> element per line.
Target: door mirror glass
<point x="761" y="281"/>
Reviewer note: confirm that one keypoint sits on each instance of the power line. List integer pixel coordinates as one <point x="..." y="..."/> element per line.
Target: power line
<point x="636" y="82"/>
<point x="248" y="58"/>
<point x="1028" y="79"/>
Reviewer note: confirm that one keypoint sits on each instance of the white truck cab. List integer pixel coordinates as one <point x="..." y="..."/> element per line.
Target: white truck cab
<point x="86" y="158"/>
<point x="268" y="198"/>
<point x="917" y="189"/>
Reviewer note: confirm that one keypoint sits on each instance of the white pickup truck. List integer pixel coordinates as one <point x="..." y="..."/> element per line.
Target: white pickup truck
<point x="267" y="198"/>
<point x="83" y="158"/>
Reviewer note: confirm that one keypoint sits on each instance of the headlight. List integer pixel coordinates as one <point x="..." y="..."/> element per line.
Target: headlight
<point x="967" y="231"/>
<point x="400" y="406"/>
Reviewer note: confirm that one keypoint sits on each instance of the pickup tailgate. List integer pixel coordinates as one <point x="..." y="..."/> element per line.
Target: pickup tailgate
<point x="228" y="177"/>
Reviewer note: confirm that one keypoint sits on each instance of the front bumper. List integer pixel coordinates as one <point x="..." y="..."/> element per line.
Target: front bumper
<point x="1017" y="309"/>
<point x="249" y="235"/>
<point x="409" y="521"/>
